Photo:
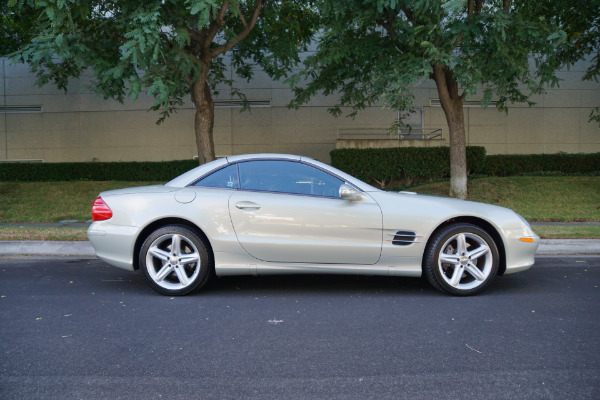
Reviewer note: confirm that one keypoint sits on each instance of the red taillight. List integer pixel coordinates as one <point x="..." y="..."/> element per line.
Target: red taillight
<point x="100" y="211"/>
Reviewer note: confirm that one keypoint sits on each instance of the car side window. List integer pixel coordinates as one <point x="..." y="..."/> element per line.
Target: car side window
<point x="224" y="178"/>
<point x="287" y="177"/>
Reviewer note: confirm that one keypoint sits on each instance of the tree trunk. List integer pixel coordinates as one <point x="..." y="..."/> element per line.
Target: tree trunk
<point x="452" y="104"/>
<point x="458" y="152"/>
<point x="204" y="120"/>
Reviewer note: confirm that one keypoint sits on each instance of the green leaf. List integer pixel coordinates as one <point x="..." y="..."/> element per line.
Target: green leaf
<point x="553" y="36"/>
<point x="50" y="12"/>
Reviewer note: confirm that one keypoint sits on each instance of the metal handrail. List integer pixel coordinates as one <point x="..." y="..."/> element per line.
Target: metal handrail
<point x="380" y="133"/>
<point x="424" y="136"/>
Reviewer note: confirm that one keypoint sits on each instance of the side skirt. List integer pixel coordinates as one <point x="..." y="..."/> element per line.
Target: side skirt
<point x="227" y="264"/>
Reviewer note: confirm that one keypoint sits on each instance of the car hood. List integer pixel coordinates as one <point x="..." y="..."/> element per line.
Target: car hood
<point x="426" y="206"/>
<point x="446" y="201"/>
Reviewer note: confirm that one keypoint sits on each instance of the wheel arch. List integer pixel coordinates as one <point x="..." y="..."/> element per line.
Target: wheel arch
<point x="166" y="222"/>
<point x="483" y="224"/>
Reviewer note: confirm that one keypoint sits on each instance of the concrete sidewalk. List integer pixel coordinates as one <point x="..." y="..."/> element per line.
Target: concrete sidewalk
<point x="548" y="247"/>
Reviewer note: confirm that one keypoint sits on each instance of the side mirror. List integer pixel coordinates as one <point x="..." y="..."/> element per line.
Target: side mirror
<point x="347" y="192"/>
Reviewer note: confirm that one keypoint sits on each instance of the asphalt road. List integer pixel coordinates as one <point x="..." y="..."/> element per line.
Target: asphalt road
<point x="80" y="329"/>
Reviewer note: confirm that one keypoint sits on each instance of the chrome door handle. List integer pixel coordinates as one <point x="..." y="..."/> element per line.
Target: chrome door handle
<point x="247" y="205"/>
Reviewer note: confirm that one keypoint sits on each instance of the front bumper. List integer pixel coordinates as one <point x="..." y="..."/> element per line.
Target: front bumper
<point x="520" y="255"/>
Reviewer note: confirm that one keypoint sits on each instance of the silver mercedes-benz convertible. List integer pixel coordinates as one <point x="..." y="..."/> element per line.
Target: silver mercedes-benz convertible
<point x="279" y="214"/>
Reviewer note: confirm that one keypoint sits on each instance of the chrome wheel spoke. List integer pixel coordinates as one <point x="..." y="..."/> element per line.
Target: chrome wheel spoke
<point x="457" y="275"/>
<point x="176" y="245"/>
<point x="189" y="258"/>
<point x="181" y="275"/>
<point x="450" y="258"/>
<point x="164" y="272"/>
<point x="158" y="253"/>
<point x="461" y="243"/>
<point x="475" y="272"/>
<point x="478" y="252"/>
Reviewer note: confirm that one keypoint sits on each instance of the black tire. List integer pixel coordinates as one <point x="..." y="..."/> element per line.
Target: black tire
<point x="471" y="256"/>
<point x="175" y="260"/>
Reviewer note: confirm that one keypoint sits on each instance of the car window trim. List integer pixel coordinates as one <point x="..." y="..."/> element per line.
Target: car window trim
<point x="237" y="163"/>
<point x="193" y="184"/>
<point x="292" y="193"/>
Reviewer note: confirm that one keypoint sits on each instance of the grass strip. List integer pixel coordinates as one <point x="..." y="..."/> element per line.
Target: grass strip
<point x="27" y="233"/>
<point x="568" y="232"/>
<point x="536" y="198"/>
<point x="53" y="201"/>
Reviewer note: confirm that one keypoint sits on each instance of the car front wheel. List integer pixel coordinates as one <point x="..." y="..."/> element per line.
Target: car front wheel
<point x="175" y="261"/>
<point x="461" y="259"/>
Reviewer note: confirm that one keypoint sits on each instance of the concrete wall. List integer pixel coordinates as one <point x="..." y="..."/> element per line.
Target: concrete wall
<point x="557" y="123"/>
<point x="77" y="126"/>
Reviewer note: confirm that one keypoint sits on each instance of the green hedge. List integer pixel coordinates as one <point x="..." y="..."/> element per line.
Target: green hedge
<point x="516" y="164"/>
<point x="403" y="165"/>
<point x="406" y="165"/>
<point x="94" y="171"/>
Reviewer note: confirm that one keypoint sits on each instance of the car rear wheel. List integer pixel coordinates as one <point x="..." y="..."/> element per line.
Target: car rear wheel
<point x="175" y="261"/>
<point x="461" y="259"/>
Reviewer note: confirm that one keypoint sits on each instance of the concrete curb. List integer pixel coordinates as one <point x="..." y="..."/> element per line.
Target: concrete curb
<point x="548" y="247"/>
<point x="568" y="247"/>
<point x="46" y="248"/>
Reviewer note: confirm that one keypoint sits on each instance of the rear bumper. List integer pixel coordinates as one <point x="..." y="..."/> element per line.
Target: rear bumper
<point x="114" y="244"/>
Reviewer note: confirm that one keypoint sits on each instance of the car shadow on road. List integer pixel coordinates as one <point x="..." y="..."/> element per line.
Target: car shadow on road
<point x="117" y="280"/>
<point x="306" y="284"/>
<point x="320" y="284"/>
<point x="349" y="284"/>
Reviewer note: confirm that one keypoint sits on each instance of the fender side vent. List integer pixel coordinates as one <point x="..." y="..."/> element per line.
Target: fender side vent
<point x="404" y="238"/>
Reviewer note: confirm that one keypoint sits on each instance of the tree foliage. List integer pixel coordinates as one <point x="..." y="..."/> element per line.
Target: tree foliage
<point x="376" y="51"/>
<point x="580" y="20"/>
<point x="166" y="48"/>
<point x="393" y="46"/>
<point x="15" y="28"/>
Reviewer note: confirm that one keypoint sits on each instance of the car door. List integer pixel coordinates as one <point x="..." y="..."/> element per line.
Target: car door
<point x="288" y="211"/>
